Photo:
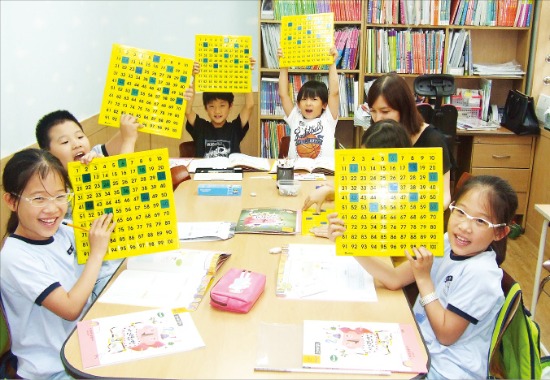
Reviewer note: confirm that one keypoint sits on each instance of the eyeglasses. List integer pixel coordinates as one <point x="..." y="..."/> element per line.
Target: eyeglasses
<point x="40" y="201"/>
<point x="460" y="214"/>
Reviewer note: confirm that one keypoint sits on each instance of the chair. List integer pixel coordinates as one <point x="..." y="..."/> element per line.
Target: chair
<point x="8" y="361"/>
<point x="545" y="265"/>
<point x="442" y="117"/>
<point x="515" y="345"/>
<point x="187" y="149"/>
<point x="179" y="174"/>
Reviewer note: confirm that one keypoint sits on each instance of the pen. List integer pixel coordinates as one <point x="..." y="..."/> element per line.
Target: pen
<point x="73" y="226"/>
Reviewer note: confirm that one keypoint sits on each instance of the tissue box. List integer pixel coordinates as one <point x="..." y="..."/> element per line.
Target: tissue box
<point x="220" y="190"/>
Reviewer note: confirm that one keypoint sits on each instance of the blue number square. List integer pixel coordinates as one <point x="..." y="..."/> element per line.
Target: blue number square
<point x="289" y="38"/>
<point x="215" y="65"/>
<point x="299" y="27"/>
<point x="353" y="168"/>
<point x="152" y="80"/>
<point x="246" y="51"/>
<point x="393" y="187"/>
<point x="144" y="197"/>
<point x="236" y="45"/>
<point x="413" y="167"/>
<point x="205" y="60"/>
<point x="354" y="197"/>
<point x="299" y="42"/>
<point x="125" y="190"/>
<point x="434" y="207"/>
<point x="86" y="177"/>
<point x="216" y="50"/>
<point x="142" y="169"/>
<point x="166" y="90"/>
<point x="225" y="55"/>
<point x="120" y="82"/>
<point x="373" y="207"/>
<point x="308" y="31"/>
<point x="134" y="92"/>
<point x="183" y="79"/>
<point x="156" y="58"/>
<point x="125" y="59"/>
<point x="108" y="210"/>
<point x="433" y="177"/>
<point x="161" y="176"/>
<point x="236" y="61"/>
<point x="122" y="163"/>
<point x="413" y="197"/>
<point x="106" y="184"/>
<point x="139" y="70"/>
<point x="392" y="157"/>
<point x="169" y="69"/>
<point x="247" y="66"/>
<point x="205" y="44"/>
<point x="164" y="203"/>
<point x="179" y="101"/>
<point x="89" y="205"/>
<point x="289" y="24"/>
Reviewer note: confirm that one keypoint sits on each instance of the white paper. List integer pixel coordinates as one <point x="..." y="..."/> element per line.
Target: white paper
<point x="204" y="231"/>
<point x="166" y="279"/>
<point x="313" y="271"/>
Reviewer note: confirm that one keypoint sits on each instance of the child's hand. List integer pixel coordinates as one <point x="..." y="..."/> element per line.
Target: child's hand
<point x="280" y="53"/>
<point x="196" y="68"/>
<point x="318" y="197"/>
<point x="99" y="235"/>
<point x="336" y="226"/>
<point x="129" y="126"/>
<point x="252" y="63"/>
<point x="88" y="157"/>
<point x="189" y="93"/>
<point x="421" y="263"/>
<point x="320" y="231"/>
<point x="334" y="53"/>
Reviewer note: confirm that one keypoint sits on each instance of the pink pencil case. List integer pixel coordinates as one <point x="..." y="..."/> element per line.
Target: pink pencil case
<point x="237" y="290"/>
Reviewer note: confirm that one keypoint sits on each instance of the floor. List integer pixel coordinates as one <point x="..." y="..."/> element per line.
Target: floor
<point x="521" y="259"/>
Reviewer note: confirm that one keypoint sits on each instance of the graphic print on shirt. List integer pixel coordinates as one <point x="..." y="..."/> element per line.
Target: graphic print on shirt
<point x="448" y="282"/>
<point x="217" y="148"/>
<point x="309" y="139"/>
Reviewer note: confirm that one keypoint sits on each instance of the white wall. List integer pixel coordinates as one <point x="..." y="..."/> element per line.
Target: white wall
<point x="55" y="54"/>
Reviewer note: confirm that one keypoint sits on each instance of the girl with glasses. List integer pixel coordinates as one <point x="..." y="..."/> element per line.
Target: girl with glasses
<point x="43" y="289"/>
<point x="460" y="294"/>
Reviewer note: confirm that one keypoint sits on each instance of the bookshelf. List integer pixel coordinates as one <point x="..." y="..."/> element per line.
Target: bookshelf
<point x="379" y="25"/>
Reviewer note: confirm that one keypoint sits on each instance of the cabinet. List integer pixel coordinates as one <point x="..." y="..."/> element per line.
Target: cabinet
<point x="502" y="154"/>
<point x="489" y="45"/>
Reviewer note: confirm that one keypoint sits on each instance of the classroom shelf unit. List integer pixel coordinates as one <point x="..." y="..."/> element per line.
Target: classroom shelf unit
<point x="489" y="45"/>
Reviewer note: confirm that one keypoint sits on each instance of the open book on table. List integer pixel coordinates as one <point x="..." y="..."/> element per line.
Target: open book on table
<point x="176" y="278"/>
<point x="136" y="336"/>
<point x="205" y="231"/>
<point x="269" y="221"/>
<point x="235" y="160"/>
<point x="311" y="165"/>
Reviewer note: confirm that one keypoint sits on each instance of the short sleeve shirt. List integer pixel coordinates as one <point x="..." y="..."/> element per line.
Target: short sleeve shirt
<point x="311" y="138"/>
<point x="214" y="142"/>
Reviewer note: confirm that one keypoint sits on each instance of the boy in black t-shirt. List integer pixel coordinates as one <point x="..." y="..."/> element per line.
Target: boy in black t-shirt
<point x="217" y="137"/>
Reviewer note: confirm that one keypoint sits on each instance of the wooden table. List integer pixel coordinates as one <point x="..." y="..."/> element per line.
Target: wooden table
<point x="230" y="338"/>
<point x="544" y="210"/>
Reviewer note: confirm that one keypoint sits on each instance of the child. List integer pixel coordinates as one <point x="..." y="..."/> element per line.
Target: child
<point x="312" y="126"/>
<point x="43" y="290"/>
<point x="390" y="97"/>
<point x="217" y="137"/>
<point x="382" y="134"/>
<point x="60" y="133"/>
<point x="460" y="293"/>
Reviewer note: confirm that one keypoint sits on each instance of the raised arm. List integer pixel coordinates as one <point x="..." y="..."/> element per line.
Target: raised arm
<point x="333" y="86"/>
<point x="286" y="101"/>
<point x="124" y="141"/>
<point x="248" y="100"/>
<point x="189" y="95"/>
<point x="68" y="304"/>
